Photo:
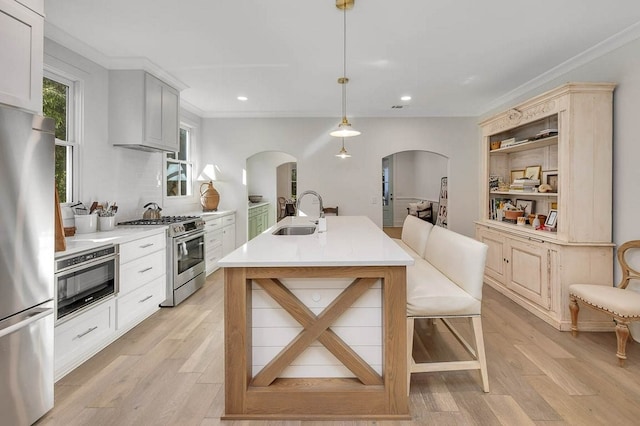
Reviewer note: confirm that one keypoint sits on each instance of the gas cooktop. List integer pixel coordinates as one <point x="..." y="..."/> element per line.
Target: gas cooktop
<point x="177" y="225"/>
<point x="164" y="220"/>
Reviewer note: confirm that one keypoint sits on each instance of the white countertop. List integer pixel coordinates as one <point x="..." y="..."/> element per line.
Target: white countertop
<point x="348" y="241"/>
<point x="261" y="203"/>
<point x="206" y="215"/>
<point x="121" y="234"/>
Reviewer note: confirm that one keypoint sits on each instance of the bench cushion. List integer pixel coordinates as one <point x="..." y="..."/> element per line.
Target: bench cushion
<point x="411" y="252"/>
<point x="618" y="301"/>
<point x="431" y="293"/>
<point x="459" y="257"/>
<point x="415" y="233"/>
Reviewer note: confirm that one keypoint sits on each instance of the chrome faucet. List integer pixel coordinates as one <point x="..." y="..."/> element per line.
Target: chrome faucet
<point x="312" y="193"/>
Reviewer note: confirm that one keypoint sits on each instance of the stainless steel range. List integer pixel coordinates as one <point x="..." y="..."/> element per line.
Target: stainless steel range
<point x="185" y="255"/>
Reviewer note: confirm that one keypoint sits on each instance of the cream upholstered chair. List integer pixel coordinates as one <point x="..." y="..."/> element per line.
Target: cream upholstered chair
<point x="448" y="285"/>
<point x="623" y="305"/>
<point x="282" y="204"/>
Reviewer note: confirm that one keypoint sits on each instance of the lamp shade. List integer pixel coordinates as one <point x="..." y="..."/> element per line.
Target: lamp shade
<point x="209" y="173"/>
<point x="344" y="130"/>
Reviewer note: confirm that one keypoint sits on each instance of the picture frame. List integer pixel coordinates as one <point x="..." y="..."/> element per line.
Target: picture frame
<point x="529" y="206"/>
<point x="550" y="177"/>
<point x="552" y="219"/>
<point x="516" y="174"/>
<point x="532" y="172"/>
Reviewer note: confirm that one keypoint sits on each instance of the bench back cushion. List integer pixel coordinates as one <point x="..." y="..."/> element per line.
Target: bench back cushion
<point x="459" y="257"/>
<point x="415" y="233"/>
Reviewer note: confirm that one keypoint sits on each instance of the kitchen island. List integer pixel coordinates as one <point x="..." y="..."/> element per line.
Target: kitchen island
<point x="315" y="325"/>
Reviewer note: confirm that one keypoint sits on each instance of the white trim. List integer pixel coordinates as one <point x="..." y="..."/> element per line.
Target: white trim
<point x="75" y="123"/>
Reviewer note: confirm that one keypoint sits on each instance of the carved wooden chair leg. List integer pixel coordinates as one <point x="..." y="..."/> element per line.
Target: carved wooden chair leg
<point x="574" y="308"/>
<point x="622" y="334"/>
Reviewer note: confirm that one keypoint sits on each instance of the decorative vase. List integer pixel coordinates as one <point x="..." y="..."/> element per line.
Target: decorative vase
<point x="209" y="197"/>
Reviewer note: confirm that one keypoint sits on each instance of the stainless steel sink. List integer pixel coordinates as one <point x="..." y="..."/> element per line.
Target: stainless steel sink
<point x="295" y="230"/>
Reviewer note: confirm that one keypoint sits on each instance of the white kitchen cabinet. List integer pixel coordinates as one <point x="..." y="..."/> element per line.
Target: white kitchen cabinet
<point x="141" y="302"/>
<point x="84" y="335"/>
<point x="143" y="111"/>
<point x="228" y="234"/>
<point x="220" y="238"/>
<point x="213" y="243"/>
<point x="567" y="133"/>
<point x="21" y="54"/>
<point x="143" y="279"/>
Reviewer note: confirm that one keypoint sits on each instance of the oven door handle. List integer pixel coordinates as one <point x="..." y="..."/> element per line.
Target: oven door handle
<point x="185" y="238"/>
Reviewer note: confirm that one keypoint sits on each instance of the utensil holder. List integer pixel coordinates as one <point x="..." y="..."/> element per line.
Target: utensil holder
<point x="86" y="223"/>
<point x="106" y="223"/>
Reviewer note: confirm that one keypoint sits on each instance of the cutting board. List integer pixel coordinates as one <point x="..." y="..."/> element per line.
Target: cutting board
<point x="61" y="244"/>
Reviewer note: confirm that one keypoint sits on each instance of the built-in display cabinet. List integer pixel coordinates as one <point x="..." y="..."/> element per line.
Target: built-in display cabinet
<point x="21" y="53"/>
<point x="563" y="138"/>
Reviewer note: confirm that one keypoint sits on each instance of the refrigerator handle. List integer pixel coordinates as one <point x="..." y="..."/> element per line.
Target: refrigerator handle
<point x="23" y="319"/>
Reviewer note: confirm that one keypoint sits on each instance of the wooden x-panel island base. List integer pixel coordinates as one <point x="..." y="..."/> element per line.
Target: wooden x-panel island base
<point x="366" y="395"/>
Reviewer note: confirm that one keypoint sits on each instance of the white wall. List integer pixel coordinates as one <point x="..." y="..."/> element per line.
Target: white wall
<point x="354" y="184"/>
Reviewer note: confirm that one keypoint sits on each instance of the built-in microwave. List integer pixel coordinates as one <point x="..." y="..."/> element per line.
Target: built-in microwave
<point x="85" y="278"/>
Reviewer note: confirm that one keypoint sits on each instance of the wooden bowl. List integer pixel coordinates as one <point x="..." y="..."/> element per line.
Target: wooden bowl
<point x="495" y="145"/>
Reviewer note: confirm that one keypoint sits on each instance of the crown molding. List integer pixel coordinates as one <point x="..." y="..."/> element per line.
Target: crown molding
<point x="111" y="63"/>
<point x="610" y="44"/>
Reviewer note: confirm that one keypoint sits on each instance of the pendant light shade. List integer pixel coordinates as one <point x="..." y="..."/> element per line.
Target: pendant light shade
<point x="344" y="130"/>
<point x="343" y="152"/>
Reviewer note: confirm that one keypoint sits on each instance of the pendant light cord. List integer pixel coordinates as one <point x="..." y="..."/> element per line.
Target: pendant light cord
<point x="344" y="64"/>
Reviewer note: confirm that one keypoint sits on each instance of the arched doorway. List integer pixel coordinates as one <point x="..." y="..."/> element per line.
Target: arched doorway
<point x="265" y="177"/>
<point x="410" y="177"/>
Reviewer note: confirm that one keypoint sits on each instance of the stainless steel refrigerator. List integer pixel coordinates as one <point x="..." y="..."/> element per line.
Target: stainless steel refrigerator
<point x="26" y="266"/>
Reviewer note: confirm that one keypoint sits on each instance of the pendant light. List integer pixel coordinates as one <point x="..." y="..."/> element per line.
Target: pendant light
<point x="344" y="129"/>
<point x="343" y="152"/>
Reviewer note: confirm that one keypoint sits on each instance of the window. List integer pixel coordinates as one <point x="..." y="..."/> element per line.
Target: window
<point x="179" y="167"/>
<point x="58" y="103"/>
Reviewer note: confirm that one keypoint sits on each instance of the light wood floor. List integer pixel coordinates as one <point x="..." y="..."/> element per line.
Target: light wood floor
<point x="169" y="371"/>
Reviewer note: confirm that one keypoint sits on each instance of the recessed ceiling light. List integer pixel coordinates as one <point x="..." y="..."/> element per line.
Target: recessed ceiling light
<point x="242" y="98"/>
<point x="405" y="98"/>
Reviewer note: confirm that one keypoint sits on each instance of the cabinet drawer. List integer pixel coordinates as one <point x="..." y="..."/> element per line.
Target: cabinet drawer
<point x="141" y="302"/>
<point x="138" y="248"/>
<point x="212" y="225"/>
<point x="229" y="220"/>
<point x="82" y="336"/>
<point x="212" y="240"/>
<point x="140" y="271"/>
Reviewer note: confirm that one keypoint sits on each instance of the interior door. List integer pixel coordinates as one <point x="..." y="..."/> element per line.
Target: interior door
<point x="387" y="191"/>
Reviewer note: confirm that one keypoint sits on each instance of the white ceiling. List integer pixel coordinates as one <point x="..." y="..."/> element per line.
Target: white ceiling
<point x="455" y="58"/>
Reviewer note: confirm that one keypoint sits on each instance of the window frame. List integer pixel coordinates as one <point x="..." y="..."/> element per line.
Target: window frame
<point x="74" y="126"/>
<point x="190" y="161"/>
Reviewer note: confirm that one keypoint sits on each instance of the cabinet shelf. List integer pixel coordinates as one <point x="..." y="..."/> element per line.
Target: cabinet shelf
<point x="540" y="143"/>
<point x="525" y="194"/>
